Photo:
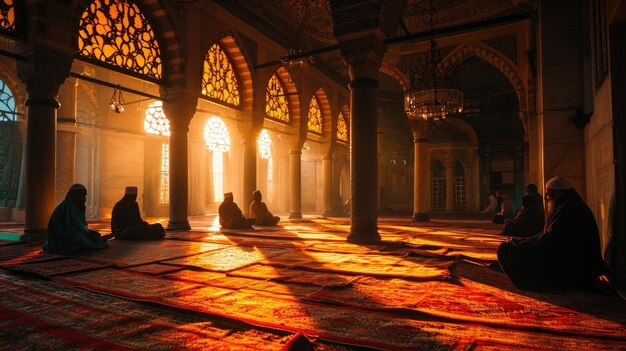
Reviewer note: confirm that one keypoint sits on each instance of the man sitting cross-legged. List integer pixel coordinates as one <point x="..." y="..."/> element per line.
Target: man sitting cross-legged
<point x="260" y="213"/>
<point x="126" y="221"/>
<point x="231" y="216"/>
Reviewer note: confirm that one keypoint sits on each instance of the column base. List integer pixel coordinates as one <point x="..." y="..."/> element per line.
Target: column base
<point x="364" y="236"/>
<point x="178" y="225"/>
<point x="34" y="236"/>
<point x="295" y="215"/>
<point x="421" y="217"/>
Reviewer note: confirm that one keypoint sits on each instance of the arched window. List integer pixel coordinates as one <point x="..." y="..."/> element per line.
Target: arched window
<point x="459" y="185"/>
<point x="7" y="15"/>
<point x="117" y="33"/>
<point x="276" y="106"/>
<point x="8" y="111"/>
<point x="219" y="80"/>
<point x="264" y="143"/>
<point x="342" y="128"/>
<point x="217" y="140"/>
<point x="315" y="116"/>
<point x="156" y="123"/>
<point x="438" y="185"/>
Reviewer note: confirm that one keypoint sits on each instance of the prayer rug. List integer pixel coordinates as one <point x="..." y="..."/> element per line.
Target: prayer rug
<point x="259" y="271"/>
<point x="154" y="268"/>
<point x="344" y="325"/>
<point x="8" y="252"/>
<point x="228" y="259"/>
<point x="33" y="256"/>
<point x="56" y="267"/>
<point x="124" y="253"/>
<point x="43" y="315"/>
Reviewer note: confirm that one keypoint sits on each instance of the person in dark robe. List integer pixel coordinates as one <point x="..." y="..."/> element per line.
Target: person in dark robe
<point x="67" y="227"/>
<point x="507" y="210"/>
<point x="531" y="189"/>
<point x="527" y="222"/>
<point x="259" y="212"/>
<point x="126" y="221"/>
<point x="231" y="216"/>
<point x="565" y="255"/>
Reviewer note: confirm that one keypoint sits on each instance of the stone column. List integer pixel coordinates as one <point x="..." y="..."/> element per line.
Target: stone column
<point x="295" y="166"/>
<point x="179" y="109"/>
<point x="448" y="163"/>
<point x="43" y="73"/>
<point x="66" y="134"/>
<point x="327" y="170"/>
<point x="421" y="167"/>
<point x="470" y="192"/>
<point x="363" y="57"/>
<point x="249" y="169"/>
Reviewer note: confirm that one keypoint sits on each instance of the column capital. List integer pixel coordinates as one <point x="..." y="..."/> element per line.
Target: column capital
<point x="420" y="130"/>
<point x="179" y="107"/>
<point x="363" y="57"/>
<point x="43" y="72"/>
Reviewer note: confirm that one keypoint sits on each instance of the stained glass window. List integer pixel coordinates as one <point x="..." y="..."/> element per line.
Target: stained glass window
<point x="7" y="15"/>
<point x="342" y="128"/>
<point x="155" y="122"/>
<point x="219" y="80"/>
<point x="276" y="105"/>
<point x="264" y="143"/>
<point x="7" y="103"/>
<point x="117" y="33"/>
<point x="216" y="135"/>
<point x="164" y="189"/>
<point x="315" y="116"/>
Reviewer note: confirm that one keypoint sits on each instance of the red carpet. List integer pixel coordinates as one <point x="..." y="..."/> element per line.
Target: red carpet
<point x="56" y="267"/>
<point x="228" y="259"/>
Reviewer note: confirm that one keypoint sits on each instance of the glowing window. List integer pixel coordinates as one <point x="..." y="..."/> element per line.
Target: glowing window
<point x="276" y="106"/>
<point x="342" y="128"/>
<point x="117" y="33"/>
<point x="155" y="121"/>
<point x="7" y="15"/>
<point x="264" y="143"/>
<point x="270" y="178"/>
<point x="315" y="116"/>
<point x="217" y="139"/>
<point x="7" y="103"/>
<point x="219" y="80"/>
<point x="164" y="189"/>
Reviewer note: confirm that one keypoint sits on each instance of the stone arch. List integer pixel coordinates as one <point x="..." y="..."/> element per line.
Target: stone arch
<point x="240" y="59"/>
<point x="167" y="33"/>
<point x="396" y="74"/>
<point x="292" y="94"/>
<point x="8" y="74"/>
<point x="497" y="59"/>
<point x="321" y="96"/>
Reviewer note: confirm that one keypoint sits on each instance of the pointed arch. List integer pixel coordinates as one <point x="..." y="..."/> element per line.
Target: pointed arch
<point x="325" y="112"/>
<point x="345" y="113"/>
<point x="396" y="74"/>
<point x="219" y="79"/>
<point x="497" y="59"/>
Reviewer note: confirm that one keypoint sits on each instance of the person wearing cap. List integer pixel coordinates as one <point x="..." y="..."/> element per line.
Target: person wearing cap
<point x="259" y="212"/>
<point x="67" y="228"/>
<point x="231" y="216"/>
<point x="126" y="221"/>
<point x="527" y="222"/>
<point x="565" y="255"/>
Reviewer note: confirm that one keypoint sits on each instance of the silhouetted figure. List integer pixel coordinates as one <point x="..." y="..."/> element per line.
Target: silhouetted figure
<point x="231" y="216"/>
<point x="260" y="213"/>
<point x="493" y="204"/>
<point x="67" y="228"/>
<point x="531" y="189"/>
<point x="527" y="222"/>
<point x="507" y="210"/>
<point x="126" y="221"/>
<point x="565" y="255"/>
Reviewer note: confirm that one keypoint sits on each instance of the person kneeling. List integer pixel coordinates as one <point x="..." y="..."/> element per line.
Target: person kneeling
<point x="259" y="212"/>
<point x="67" y="228"/>
<point x="126" y="221"/>
<point x="231" y="216"/>
<point x="528" y="221"/>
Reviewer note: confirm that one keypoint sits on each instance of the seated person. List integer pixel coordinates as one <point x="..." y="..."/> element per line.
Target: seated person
<point x="126" y="221"/>
<point x="231" y="216"/>
<point x="260" y="213"/>
<point x="507" y="210"/>
<point x="531" y="189"/>
<point x="493" y="204"/>
<point x="527" y="222"/>
<point x="67" y="228"/>
<point x="566" y="255"/>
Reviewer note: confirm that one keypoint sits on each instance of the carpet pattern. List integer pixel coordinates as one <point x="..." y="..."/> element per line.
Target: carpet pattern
<point x="228" y="259"/>
<point x="56" y="267"/>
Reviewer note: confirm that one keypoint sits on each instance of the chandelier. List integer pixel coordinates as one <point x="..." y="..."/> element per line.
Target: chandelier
<point x="432" y="93"/>
<point x="117" y="103"/>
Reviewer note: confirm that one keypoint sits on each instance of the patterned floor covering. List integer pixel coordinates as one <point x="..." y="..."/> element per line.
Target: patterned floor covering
<point x="294" y="287"/>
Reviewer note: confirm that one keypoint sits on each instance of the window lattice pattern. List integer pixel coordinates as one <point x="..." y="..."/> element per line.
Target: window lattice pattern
<point x="7" y="103"/>
<point x="164" y="189"/>
<point x="276" y="105"/>
<point x="155" y="122"/>
<point x="219" y="80"/>
<point x="459" y="189"/>
<point x="7" y="15"/>
<point x="117" y="33"/>
<point x="270" y="180"/>
<point x="264" y="143"/>
<point x="315" y="116"/>
<point x="218" y="175"/>
<point x="216" y="135"/>
<point x="439" y="193"/>
<point x="342" y="128"/>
